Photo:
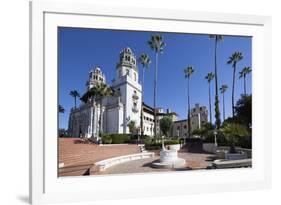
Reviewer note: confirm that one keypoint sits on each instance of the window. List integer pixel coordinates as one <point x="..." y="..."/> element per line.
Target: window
<point x="178" y="127"/>
<point x="135" y="76"/>
<point x="127" y="72"/>
<point x="184" y="127"/>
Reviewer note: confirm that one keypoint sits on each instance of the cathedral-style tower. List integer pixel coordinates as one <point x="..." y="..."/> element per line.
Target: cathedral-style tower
<point x="95" y="77"/>
<point x="127" y="65"/>
<point x="126" y="83"/>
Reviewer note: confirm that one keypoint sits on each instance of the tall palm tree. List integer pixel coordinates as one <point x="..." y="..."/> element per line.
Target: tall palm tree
<point x="223" y="89"/>
<point x="243" y="73"/>
<point x="187" y="73"/>
<point x="99" y="92"/>
<point x="145" y="62"/>
<point x="157" y="44"/>
<point x="61" y="109"/>
<point x="209" y="77"/>
<point x="217" y="39"/>
<point x="233" y="60"/>
<point x="74" y="94"/>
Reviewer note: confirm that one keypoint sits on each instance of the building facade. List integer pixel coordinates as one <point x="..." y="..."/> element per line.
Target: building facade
<point x="112" y="114"/>
<point x="198" y="117"/>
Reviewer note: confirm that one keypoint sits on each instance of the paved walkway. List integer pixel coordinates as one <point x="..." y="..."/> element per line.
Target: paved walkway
<point x="193" y="161"/>
<point x="78" y="158"/>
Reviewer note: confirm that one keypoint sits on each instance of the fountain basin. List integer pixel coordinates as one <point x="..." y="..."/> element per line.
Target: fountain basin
<point x="169" y="159"/>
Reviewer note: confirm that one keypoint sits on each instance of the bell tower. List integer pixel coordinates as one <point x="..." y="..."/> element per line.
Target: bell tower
<point x="126" y="82"/>
<point x="95" y="77"/>
<point x="127" y="65"/>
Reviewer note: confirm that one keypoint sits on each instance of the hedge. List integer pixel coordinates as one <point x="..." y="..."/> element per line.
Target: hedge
<point x="151" y="145"/>
<point x="115" y="138"/>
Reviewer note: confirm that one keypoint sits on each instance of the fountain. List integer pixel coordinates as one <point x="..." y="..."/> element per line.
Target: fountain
<point x="169" y="158"/>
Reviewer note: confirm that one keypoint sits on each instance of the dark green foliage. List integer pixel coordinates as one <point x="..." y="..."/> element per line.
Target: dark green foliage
<point x="63" y="133"/>
<point x="115" y="138"/>
<point x="132" y="126"/>
<point x="153" y="145"/>
<point x="106" y="139"/>
<point x="243" y="110"/>
<point x="165" y="125"/>
<point x="75" y="94"/>
<point x="61" y="109"/>
<point x="232" y="132"/>
<point x="206" y="130"/>
<point x="217" y="112"/>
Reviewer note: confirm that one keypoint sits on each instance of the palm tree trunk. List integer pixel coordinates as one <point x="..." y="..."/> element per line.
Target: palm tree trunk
<point x="217" y="109"/>
<point x="100" y="118"/>
<point x="210" y="103"/>
<point x="245" y="92"/>
<point x="155" y="89"/>
<point x="75" y="102"/>
<point x="223" y="107"/>
<point x="142" y="100"/>
<point x="233" y="86"/>
<point x="188" y="117"/>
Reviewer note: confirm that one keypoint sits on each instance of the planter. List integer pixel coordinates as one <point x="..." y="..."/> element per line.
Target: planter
<point x="236" y="156"/>
<point x="175" y="147"/>
<point x="209" y="147"/>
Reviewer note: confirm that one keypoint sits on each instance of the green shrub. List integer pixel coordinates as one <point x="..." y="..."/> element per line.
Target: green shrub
<point x="171" y="142"/>
<point x="120" y="138"/>
<point x="209" y="139"/>
<point x="245" y="142"/>
<point x="153" y="146"/>
<point x="116" y="138"/>
<point x="106" y="139"/>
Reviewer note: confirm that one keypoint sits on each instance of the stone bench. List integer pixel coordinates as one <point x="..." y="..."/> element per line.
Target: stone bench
<point x="222" y="164"/>
<point x="104" y="164"/>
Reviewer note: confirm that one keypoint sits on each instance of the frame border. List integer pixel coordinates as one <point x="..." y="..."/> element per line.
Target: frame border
<point x="36" y="96"/>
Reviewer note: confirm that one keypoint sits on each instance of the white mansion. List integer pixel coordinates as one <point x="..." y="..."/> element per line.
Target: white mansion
<point x="124" y="106"/>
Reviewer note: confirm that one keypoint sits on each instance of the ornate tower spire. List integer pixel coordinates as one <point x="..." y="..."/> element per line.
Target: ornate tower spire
<point x="95" y="77"/>
<point x="127" y="65"/>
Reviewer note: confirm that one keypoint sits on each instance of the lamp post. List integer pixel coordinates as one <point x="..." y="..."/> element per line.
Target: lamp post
<point x="215" y="133"/>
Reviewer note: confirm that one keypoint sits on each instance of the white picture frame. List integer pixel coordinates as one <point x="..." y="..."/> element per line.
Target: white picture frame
<point x="46" y="187"/>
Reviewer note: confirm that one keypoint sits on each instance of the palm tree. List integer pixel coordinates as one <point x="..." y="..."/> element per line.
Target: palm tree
<point x="157" y="44"/>
<point x="145" y="62"/>
<point x="223" y="89"/>
<point x="187" y="73"/>
<point x="61" y="109"/>
<point x="232" y="132"/>
<point x="217" y="39"/>
<point x="99" y="92"/>
<point x="74" y="94"/>
<point x="234" y="59"/>
<point x="209" y="77"/>
<point x="243" y="73"/>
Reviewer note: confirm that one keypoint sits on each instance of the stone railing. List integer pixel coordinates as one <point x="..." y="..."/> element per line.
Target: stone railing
<point x="104" y="164"/>
<point x="225" y="149"/>
<point x="223" y="164"/>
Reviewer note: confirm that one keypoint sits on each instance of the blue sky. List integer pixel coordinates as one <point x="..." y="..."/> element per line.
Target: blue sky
<point x="80" y="49"/>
